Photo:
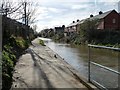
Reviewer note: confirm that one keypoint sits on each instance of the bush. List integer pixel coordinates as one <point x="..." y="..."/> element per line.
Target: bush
<point x="89" y="33"/>
<point x="21" y="42"/>
<point x="41" y="42"/>
<point x="12" y="48"/>
<point x="7" y="68"/>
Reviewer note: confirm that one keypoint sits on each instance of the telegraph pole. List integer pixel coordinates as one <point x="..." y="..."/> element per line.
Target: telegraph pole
<point x="26" y="21"/>
<point x="25" y="3"/>
<point x="25" y="18"/>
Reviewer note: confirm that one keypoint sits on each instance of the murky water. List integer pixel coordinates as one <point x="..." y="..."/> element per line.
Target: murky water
<point x="77" y="56"/>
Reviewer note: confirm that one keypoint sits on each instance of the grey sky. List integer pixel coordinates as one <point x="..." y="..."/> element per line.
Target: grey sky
<point x="58" y="12"/>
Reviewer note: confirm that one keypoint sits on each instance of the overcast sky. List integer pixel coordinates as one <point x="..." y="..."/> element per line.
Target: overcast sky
<point x="62" y="12"/>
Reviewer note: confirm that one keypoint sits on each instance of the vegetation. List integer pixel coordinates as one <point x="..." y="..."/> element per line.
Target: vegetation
<point x="41" y="42"/>
<point x="88" y="33"/>
<point x="16" y="36"/>
<point x="21" y="42"/>
<point x="12" y="49"/>
<point x="86" y="29"/>
<point x="58" y="37"/>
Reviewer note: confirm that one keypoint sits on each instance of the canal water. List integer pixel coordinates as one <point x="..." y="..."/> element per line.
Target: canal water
<point x="77" y="56"/>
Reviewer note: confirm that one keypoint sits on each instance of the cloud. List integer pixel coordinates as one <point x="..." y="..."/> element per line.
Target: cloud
<point x="107" y="0"/>
<point x="79" y="6"/>
<point x="58" y="12"/>
<point x="64" y="18"/>
<point x="64" y="14"/>
<point x="55" y="10"/>
<point x="58" y="1"/>
<point x="105" y="6"/>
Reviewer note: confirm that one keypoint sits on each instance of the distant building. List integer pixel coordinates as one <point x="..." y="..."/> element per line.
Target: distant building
<point x="72" y="28"/>
<point x="108" y="20"/>
<point x="58" y="30"/>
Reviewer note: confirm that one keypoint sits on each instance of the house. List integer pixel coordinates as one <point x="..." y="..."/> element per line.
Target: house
<point x="72" y="27"/>
<point x="107" y="20"/>
<point x="59" y="30"/>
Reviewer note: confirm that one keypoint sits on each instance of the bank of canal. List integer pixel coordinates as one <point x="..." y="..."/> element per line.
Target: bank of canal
<point x="41" y="68"/>
<point x="77" y="56"/>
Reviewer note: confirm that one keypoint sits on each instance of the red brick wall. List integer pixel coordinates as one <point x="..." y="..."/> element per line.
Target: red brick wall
<point x="119" y="21"/>
<point x="108" y="23"/>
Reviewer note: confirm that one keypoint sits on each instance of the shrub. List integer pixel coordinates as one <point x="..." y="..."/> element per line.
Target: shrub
<point x="41" y="42"/>
<point x="21" y="42"/>
<point x="10" y="52"/>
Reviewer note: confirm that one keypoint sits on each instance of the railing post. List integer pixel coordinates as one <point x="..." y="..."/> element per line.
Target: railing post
<point x="118" y="70"/>
<point x="88" y="63"/>
<point x="101" y="66"/>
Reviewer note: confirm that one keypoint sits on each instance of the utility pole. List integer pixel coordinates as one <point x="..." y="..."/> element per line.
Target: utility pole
<point x="25" y="4"/>
<point x="25" y="18"/>
<point x="26" y="21"/>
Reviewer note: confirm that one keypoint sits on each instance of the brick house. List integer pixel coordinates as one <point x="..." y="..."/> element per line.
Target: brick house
<point x="108" y="20"/>
<point x="73" y="27"/>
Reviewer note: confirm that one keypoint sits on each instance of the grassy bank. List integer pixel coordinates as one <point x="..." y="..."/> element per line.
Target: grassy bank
<point x="13" y="47"/>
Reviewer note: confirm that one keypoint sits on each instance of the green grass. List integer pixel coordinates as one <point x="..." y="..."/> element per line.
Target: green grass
<point x="41" y="42"/>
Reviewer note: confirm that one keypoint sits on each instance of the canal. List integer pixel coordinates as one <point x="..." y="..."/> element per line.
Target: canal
<point x="77" y="56"/>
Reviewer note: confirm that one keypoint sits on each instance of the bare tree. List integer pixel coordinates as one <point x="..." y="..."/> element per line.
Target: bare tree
<point x="8" y="8"/>
<point x="23" y="11"/>
<point x="29" y="13"/>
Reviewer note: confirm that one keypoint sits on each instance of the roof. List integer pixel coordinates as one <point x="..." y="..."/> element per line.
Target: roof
<point x="76" y="23"/>
<point x="72" y="24"/>
<point x="99" y="16"/>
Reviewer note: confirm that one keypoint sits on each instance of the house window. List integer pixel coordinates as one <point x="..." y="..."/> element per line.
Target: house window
<point x="114" y="20"/>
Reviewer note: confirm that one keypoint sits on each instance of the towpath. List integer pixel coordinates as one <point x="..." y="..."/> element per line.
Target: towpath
<point x="40" y="67"/>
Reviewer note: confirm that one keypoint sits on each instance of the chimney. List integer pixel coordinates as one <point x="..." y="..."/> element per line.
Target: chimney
<point x="77" y="20"/>
<point x="73" y="21"/>
<point x="100" y="12"/>
<point x="63" y="26"/>
<point x="91" y="15"/>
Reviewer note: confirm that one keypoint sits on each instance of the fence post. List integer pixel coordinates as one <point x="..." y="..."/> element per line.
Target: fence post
<point x="88" y="63"/>
<point x="118" y="70"/>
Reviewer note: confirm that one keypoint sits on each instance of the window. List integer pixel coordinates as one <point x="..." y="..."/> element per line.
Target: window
<point x="114" y="20"/>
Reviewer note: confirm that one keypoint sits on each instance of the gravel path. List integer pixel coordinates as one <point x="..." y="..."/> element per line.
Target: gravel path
<point x="40" y="67"/>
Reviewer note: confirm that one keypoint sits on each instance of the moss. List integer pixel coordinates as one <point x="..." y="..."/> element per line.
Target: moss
<point x="41" y="42"/>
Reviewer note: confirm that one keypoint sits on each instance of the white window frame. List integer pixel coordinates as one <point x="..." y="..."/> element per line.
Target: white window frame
<point x="114" y="20"/>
